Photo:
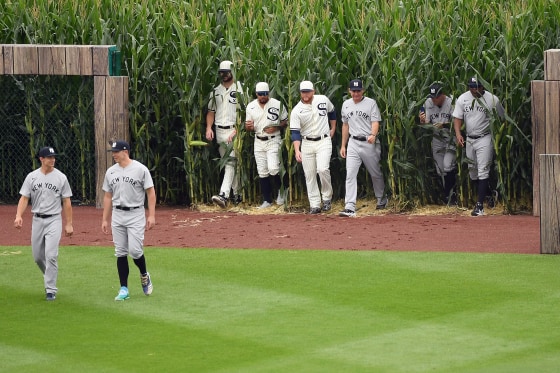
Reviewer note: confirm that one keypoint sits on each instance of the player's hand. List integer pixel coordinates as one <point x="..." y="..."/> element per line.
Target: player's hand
<point x="332" y="131"/>
<point x="209" y="134"/>
<point x="298" y="156"/>
<point x="18" y="222"/>
<point x="422" y="117"/>
<point x="150" y="222"/>
<point x="460" y="140"/>
<point x="104" y="227"/>
<point x="69" y="229"/>
<point x="250" y="125"/>
<point x="230" y="138"/>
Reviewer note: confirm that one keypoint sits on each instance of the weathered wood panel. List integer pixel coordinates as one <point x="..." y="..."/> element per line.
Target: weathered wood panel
<point x="52" y="59"/>
<point x="1" y="59"/>
<point x="26" y="59"/>
<point x="86" y="60"/>
<point x="8" y="59"/>
<point x="550" y="203"/>
<point x="552" y="64"/>
<point x="100" y="60"/>
<point x="538" y="110"/>
<point x="101" y="140"/>
<point x="552" y="117"/>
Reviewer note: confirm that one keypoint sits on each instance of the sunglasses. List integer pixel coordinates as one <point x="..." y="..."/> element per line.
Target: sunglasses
<point x="262" y="93"/>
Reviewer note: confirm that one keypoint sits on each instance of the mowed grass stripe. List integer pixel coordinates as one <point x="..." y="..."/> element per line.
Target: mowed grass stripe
<point x="257" y="310"/>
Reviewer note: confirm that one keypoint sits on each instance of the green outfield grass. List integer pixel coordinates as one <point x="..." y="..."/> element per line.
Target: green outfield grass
<point x="283" y="311"/>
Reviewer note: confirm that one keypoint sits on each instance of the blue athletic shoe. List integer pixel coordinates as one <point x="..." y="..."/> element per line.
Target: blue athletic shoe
<point x="147" y="284"/>
<point x="123" y="293"/>
<point x="51" y="296"/>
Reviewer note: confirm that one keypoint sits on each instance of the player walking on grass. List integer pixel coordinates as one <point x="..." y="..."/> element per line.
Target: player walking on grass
<point x="312" y="125"/>
<point x="360" y="128"/>
<point x="126" y="184"/>
<point x="222" y="112"/>
<point x="266" y="117"/>
<point x="476" y="108"/>
<point x="437" y="112"/>
<point x="49" y="192"/>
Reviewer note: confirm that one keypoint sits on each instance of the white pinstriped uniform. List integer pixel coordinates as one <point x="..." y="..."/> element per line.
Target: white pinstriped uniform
<point x="312" y="121"/>
<point x="224" y="103"/>
<point x="475" y="114"/>
<point x="266" y="151"/>
<point x="359" y="117"/>
<point x="443" y="141"/>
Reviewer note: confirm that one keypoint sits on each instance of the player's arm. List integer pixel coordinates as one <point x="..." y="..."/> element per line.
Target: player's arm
<point x="107" y="206"/>
<point x="210" y="116"/>
<point x="22" y="205"/>
<point x="345" y="136"/>
<point x="151" y="221"/>
<point x="67" y="211"/>
<point x="374" y="132"/>
<point x="457" y="124"/>
<point x="332" y="120"/>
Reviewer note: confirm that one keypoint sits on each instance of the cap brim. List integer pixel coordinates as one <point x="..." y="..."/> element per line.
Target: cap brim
<point x="306" y="90"/>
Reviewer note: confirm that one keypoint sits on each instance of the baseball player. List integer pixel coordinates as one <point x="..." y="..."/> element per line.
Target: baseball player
<point x="476" y="108"/>
<point x="222" y="112"/>
<point x="49" y="192"/>
<point x="126" y="184"/>
<point x="312" y="125"/>
<point x="266" y="116"/>
<point x="437" y="112"/>
<point x="360" y="128"/>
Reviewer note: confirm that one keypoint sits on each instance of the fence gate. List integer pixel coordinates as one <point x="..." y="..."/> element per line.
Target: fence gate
<point x="110" y="91"/>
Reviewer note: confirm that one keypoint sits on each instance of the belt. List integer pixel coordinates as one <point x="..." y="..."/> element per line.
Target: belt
<point x="478" y="137"/>
<point x="359" y="138"/>
<point x="43" y="216"/>
<point x="125" y="208"/>
<point x="315" y="138"/>
<point x="225" y="127"/>
<point x="264" y="138"/>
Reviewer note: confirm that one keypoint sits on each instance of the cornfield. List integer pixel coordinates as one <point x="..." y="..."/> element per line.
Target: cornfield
<point x="171" y="51"/>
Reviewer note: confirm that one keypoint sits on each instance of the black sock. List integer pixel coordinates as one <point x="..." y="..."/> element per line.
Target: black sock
<point x="265" y="189"/>
<point x="141" y="264"/>
<point x="122" y="268"/>
<point x="483" y="186"/>
<point x="449" y="183"/>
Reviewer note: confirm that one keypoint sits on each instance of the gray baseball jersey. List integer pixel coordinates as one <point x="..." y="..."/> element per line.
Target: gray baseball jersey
<point x="311" y="119"/>
<point x="46" y="191"/>
<point x="475" y="112"/>
<point x="128" y="185"/>
<point x="359" y="116"/>
<point x="224" y="102"/>
<point x="443" y="143"/>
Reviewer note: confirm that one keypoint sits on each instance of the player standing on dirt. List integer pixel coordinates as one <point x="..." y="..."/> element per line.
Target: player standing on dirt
<point x="46" y="187"/>
<point x="360" y="128"/>
<point x="266" y="117"/>
<point x="126" y="184"/>
<point x="312" y="125"/>
<point x="476" y="108"/>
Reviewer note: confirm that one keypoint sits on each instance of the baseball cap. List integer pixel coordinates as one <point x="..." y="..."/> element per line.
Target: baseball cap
<point x="473" y="82"/>
<point x="262" y="87"/>
<point x="435" y="90"/>
<point x="119" y="145"/>
<point x="355" y="85"/>
<point x="47" y="151"/>
<point x="306" y="86"/>
<point x="225" y="66"/>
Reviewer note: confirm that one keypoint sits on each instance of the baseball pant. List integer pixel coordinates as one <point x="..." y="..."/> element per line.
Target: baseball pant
<point x="315" y="159"/>
<point x="444" y="153"/>
<point x="231" y="179"/>
<point x="370" y="155"/>
<point x="128" y="232"/>
<point x="266" y="156"/>
<point x="45" y="238"/>
<point x="480" y="154"/>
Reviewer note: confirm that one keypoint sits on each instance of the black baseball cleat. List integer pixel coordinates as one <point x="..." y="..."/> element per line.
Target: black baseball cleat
<point x="381" y="203"/>
<point x="327" y="205"/>
<point x="347" y="213"/>
<point x="492" y="199"/>
<point x="315" y="211"/>
<point x="237" y="199"/>
<point x="50" y="297"/>
<point x="220" y="200"/>
<point x="478" y="210"/>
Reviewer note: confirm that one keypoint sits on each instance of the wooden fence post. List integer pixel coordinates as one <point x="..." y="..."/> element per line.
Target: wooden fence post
<point x="549" y="201"/>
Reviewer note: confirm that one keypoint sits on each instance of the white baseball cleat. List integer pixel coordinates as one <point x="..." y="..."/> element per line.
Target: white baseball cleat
<point x="265" y="205"/>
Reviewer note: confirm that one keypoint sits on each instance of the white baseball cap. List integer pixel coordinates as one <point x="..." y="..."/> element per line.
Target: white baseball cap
<point x="225" y="66"/>
<point x="306" y="86"/>
<point x="262" y="87"/>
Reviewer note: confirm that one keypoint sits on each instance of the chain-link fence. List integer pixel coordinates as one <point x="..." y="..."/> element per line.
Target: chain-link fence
<point x="37" y="111"/>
